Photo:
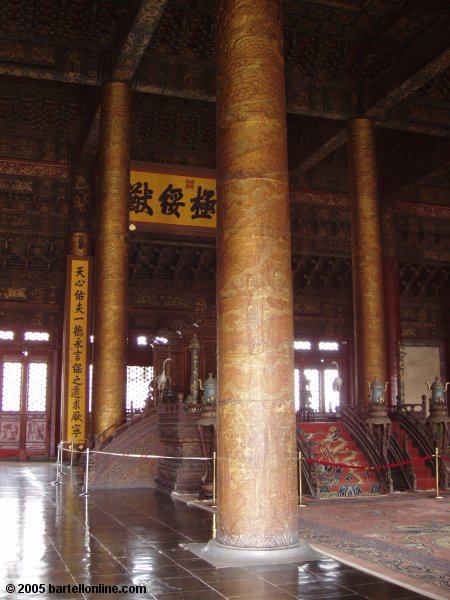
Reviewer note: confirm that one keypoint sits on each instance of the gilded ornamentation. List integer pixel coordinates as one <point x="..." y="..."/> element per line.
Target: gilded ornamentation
<point x="16" y="167"/>
<point x="16" y="185"/>
<point x="14" y="52"/>
<point x="81" y="192"/>
<point x="13" y="293"/>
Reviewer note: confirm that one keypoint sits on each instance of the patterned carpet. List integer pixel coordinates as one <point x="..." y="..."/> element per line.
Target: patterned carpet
<point x="331" y="443"/>
<point x="405" y="538"/>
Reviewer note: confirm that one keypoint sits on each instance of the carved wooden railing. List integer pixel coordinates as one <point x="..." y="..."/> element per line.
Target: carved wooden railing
<point x="138" y="437"/>
<point x="403" y="476"/>
<point x="418" y="411"/>
<point x="111" y="432"/>
<point x="308" y="415"/>
<point x="421" y="438"/>
<point x="308" y="471"/>
<point x="367" y="444"/>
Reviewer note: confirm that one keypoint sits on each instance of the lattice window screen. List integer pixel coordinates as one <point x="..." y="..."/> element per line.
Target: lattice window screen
<point x="12" y="386"/>
<point x="138" y="380"/>
<point x="37" y="387"/>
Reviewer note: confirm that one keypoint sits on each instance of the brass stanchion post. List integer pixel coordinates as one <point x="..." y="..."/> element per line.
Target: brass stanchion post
<point x="300" y="492"/>
<point x="214" y="529"/>
<point x="437" y="473"/>
<point x="71" y="455"/>
<point x="58" y="462"/>
<point x="214" y="479"/>
<point x="86" y="478"/>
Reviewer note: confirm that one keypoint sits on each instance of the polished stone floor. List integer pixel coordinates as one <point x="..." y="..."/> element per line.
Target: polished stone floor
<point x="52" y="536"/>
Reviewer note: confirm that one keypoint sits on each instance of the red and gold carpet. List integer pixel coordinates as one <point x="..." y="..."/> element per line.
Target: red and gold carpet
<point x="403" y="538"/>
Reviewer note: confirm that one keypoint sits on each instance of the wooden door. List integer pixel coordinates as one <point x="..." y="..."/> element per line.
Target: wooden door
<point x="24" y="404"/>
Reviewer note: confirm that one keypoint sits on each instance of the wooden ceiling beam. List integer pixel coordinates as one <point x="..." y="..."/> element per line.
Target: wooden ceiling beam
<point x="422" y="60"/>
<point x="137" y="39"/>
<point x="433" y="156"/>
<point x="132" y="48"/>
<point x="418" y="118"/>
<point x="316" y="145"/>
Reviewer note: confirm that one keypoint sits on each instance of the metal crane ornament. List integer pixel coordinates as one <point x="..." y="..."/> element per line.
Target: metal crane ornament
<point x="337" y="382"/>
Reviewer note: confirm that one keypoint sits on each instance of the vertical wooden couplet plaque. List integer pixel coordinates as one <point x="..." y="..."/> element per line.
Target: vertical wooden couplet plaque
<point x="77" y="349"/>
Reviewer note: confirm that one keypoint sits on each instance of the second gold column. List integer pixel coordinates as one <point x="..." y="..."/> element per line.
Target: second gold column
<point x="111" y="260"/>
<point x="370" y="346"/>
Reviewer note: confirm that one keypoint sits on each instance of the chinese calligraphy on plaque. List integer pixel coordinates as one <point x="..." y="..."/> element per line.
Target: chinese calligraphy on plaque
<point x="77" y="349"/>
<point x="172" y="199"/>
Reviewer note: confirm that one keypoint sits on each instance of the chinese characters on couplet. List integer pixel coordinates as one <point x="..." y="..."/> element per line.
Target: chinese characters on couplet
<point x="77" y="358"/>
<point x="201" y="206"/>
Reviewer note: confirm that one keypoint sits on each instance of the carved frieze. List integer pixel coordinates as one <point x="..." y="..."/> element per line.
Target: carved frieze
<point x="33" y="224"/>
<point x="28" y="107"/>
<point x="58" y="64"/>
<point x="33" y="169"/>
<point x="319" y="197"/>
<point x="172" y="263"/>
<point x="81" y="190"/>
<point x="31" y="54"/>
<point x="61" y="41"/>
<point x="316" y="326"/>
<point x="32" y="317"/>
<point x="197" y="305"/>
<point x="429" y="282"/>
<point x="175" y="134"/>
<point x="21" y="254"/>
<point x="33" y="149"/>
<point x="51" y="201"/>
<point x="436" y="212"/>
<point x="309" y="98"/>
<point x="31" y="293"/>
<point x="423" y="232"/>
<point x="422" y="321"/>
<point x="13" y="293"/>
<point x="16" y="185"/>
<point x="186" y="34"/>
<point x="321" y="58"/>
<point x="320" y="223"/>
<point x="143" y="299"/>
<point x="321" y="274"/>
<point x="159" y="76"/>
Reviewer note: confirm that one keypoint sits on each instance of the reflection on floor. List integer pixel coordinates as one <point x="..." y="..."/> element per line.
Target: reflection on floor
<point x="52" y="536"/>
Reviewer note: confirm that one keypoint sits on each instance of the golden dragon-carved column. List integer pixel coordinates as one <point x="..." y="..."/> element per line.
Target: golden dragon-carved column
<point x="111" y="259"/>
<point x="257" y="499"/>
<point x="370" y="345"/>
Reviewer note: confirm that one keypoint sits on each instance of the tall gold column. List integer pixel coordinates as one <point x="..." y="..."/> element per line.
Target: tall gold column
<point x="368" y="305"/>
<point x="257" y="501"/>
<point x="111" y="259"/>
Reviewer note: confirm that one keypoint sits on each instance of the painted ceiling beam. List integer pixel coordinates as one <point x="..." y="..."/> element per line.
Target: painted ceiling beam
<point x="433" y="155"/>
<point x="422" y="60"/>
<point x="317" y="145"/>
<point x="137" y="39"/>
<point x="132" y="48"/>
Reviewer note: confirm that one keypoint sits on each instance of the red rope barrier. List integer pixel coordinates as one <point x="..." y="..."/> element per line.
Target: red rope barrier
<point x="322" y="462"/>
<point x="368" y="467"/>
